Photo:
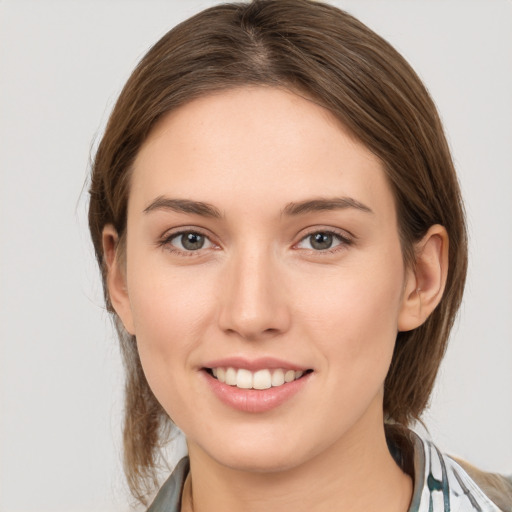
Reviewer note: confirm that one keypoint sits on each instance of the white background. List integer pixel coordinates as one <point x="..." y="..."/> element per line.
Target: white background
<point x="62" y="64"/>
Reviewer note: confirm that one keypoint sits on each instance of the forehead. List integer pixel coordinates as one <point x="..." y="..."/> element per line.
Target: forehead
<point x="268" y="144"/>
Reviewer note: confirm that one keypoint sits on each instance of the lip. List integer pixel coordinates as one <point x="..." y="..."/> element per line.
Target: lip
<point x="254" y="400"/>
<point x="261" y="363"/>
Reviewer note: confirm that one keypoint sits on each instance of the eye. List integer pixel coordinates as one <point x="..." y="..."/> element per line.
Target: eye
<point x="188" y="241"/>
<point x="322" y="241"/>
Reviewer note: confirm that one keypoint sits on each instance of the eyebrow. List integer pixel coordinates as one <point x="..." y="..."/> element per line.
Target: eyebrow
<point x="291" y="209"/>
<point x="183" y="206"/>
<point x="324" y="204"/>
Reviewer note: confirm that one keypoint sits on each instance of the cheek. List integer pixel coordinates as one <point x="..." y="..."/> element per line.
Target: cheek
<point x="354" y="326"/>
<point x="360" y="296"/>
<point x="353" y="313"/>
<point x="170" y="311"/>
<point x="169" y="318"/>
<point x="168" y="306"/>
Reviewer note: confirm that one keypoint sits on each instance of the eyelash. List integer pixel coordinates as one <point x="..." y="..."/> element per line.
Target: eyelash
<point x="165" y="241"/>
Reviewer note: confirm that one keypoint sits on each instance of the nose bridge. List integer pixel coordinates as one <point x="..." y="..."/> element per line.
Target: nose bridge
<point x="253" y="302"/>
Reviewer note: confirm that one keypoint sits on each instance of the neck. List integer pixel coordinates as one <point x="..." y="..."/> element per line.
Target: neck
<point x="354" y="475"/>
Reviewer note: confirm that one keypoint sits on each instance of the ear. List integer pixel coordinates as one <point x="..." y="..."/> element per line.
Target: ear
<point x="425" y="280"/>
<point x="116" y="277"/>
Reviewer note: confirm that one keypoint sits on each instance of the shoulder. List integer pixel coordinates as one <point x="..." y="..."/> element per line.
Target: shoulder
<point x="445" y="484"/>
<point x="497" y="487"/>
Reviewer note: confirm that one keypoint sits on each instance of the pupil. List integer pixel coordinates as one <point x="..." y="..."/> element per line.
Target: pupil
<point x="192" y="241"/>
<point x="321" y="241"/>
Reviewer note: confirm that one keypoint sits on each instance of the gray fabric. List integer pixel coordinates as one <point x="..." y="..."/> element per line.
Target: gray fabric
<point x="168" y="498"/>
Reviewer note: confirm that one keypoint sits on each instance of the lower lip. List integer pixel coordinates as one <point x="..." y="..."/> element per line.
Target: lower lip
<point x="255" y="400"/>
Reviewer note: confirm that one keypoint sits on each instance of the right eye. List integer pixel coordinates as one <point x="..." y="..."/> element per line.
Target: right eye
<point x="324" y="241"/>
<point x="187" y="241"/>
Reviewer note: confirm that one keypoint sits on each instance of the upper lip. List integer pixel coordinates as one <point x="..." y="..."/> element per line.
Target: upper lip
<point x="261" y="363"/>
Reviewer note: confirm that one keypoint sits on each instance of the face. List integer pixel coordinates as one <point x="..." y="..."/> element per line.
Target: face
<point x="264" y="278"/>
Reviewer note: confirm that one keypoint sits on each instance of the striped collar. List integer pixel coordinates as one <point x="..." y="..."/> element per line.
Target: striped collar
<point x="441" y="485"/>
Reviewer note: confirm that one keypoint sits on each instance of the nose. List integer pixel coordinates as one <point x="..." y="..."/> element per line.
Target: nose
<point x="253" y="297"/>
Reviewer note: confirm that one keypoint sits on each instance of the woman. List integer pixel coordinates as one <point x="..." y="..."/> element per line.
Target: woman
<point x="281" y="236"/>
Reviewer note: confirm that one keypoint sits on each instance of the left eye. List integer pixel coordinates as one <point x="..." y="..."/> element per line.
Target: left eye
<point x="189" y="241"/>
<point x="321" y="241"/>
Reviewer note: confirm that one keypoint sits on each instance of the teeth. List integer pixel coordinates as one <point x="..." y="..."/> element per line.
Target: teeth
<point x="244" y="379"/>
<point x="262" y="379"/>
<point x="231" y="376"/>
<point x="289" y="376"/>
<point x="278" y="378"/>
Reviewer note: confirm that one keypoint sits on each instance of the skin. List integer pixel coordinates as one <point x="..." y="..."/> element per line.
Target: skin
<point x="259" y="288"/>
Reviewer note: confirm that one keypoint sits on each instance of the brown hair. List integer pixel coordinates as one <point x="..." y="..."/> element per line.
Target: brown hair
<point x="337" y="61"/>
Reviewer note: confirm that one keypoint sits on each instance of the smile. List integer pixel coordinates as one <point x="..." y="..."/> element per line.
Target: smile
<point x="256" y="391"/>
<point x="261" y="379"/>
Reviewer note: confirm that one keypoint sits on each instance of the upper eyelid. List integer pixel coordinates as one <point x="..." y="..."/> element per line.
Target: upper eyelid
<point x="342" y="233"/>
<point x="173" y="232"/>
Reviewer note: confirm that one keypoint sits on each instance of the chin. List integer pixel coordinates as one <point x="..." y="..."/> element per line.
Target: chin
<point x="259" y="461"/>
<point x="261" y="452"/>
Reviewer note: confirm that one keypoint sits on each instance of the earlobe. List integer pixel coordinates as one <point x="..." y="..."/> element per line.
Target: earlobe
<point x="426" y="280"/>
<point x="116" y="277"/>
